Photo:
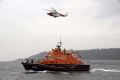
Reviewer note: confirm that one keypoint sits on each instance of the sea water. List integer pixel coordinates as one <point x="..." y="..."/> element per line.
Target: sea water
<point x="100" y="70"/>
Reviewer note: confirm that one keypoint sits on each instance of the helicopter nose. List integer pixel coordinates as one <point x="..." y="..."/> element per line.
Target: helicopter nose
<point x="48" y="13"/>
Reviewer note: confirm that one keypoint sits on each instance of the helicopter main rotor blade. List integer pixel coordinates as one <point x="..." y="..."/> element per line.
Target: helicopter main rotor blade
<point x="55" y="9"/>
<point x="61" y="9"/>
<point x="48" y="10"/>
<point x="52" y="8"/>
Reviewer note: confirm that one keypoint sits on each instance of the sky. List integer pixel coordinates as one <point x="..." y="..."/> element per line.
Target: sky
<point x="26" y="29"/>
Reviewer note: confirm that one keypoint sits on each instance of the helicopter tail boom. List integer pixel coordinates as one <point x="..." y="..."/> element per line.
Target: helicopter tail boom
<point x="64" y="15"/>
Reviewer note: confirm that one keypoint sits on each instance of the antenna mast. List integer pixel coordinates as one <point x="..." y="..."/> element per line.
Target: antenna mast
<point x="59" y="46"/>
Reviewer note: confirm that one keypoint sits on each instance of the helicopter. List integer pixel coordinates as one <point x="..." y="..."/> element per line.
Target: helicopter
<point x="55" y="14"/>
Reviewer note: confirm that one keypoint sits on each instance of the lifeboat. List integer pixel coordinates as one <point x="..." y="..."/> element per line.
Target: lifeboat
<point x="58" y="60"/>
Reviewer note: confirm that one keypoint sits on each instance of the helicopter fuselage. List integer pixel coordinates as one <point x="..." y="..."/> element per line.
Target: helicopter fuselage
<point x="53" y="14"/>
<point x="56" y="14"/>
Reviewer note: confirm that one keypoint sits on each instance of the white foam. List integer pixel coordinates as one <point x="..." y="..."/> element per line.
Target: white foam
<point x="105" y="70"/>
<point x="44" y="71"/>
<point x="64" y="73"/>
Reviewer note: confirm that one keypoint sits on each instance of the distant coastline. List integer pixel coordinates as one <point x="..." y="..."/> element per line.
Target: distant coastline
<point x="91" y="54"/>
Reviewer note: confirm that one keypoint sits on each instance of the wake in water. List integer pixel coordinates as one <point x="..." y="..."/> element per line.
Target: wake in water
<point x="54" y="72"/>
<point x="105" y="70"/>
<point x="64" y="73"/>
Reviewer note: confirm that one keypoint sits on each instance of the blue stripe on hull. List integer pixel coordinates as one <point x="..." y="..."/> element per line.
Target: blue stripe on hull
<point x="38" y="67"/>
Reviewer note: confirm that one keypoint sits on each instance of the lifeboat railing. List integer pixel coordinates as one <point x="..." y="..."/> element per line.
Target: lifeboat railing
<point x="87" y="63"/>
<point x="33" y="60"/>
<point x="30" y="60"/>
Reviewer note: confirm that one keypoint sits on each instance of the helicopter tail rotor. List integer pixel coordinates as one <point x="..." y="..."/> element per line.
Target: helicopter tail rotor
<point x="66" y="14"/>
